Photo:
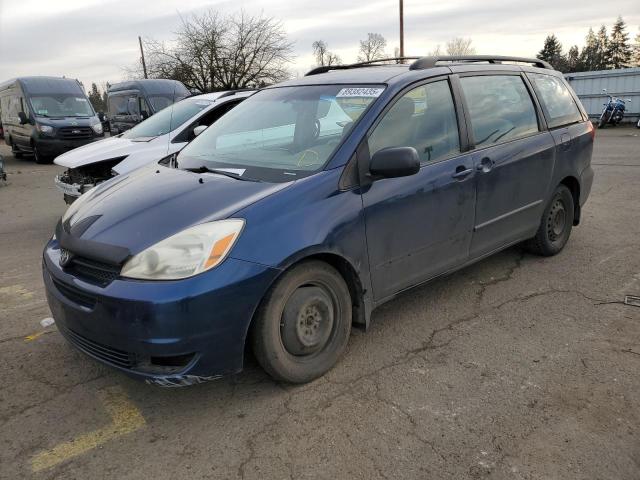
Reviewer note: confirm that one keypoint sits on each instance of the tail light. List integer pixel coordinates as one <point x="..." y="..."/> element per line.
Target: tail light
<point x="591" y="129"/>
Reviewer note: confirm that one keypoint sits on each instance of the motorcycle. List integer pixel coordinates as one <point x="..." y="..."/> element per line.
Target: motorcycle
<point x="613" y="111"/>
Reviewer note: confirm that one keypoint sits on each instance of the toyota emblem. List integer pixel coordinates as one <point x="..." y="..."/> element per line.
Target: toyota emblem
<point x="65" y="257"/>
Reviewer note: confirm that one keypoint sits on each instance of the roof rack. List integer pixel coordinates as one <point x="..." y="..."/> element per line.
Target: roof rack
<point x="430" y="62"/>
<point x="372" y="63"/>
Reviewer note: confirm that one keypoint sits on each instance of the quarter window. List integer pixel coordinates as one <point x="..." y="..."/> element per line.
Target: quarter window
<point x="425" y="119"/>
<point x="500" y="108"/>
<point x="559" y="104"/>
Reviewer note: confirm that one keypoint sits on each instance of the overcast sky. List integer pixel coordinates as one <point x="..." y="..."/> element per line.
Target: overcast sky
<point x="94" y="39"/>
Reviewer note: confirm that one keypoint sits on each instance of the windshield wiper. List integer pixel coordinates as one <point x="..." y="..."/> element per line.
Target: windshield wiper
<point x="204" y="169"/>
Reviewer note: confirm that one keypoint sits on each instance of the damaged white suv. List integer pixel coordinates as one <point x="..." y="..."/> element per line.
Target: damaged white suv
<point x="162" y="134"/>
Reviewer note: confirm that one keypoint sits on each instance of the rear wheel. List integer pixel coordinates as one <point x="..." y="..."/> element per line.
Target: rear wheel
<point x="303" y="326"/>
<point x="556" y="224"/>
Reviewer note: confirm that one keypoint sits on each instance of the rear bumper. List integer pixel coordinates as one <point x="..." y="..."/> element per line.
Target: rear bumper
<point x="586" y="181"/>
<point x="197" y="325"/>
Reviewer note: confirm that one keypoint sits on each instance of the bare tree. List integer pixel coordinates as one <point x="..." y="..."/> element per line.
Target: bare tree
<point x="215" y="52"/>
<point x="436" y="51"/>
<point x="323" y="56"/>
<point x="460" y="46"/>
<point x="372" y="48"/>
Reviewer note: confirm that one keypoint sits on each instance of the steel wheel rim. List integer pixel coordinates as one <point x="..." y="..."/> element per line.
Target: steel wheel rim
<point x="557" y="220"/>
<point x="308" y="320"/>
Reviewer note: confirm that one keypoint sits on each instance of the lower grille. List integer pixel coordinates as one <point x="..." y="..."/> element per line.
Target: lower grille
<point x="75" y="295"/>
<point x="110" y="355"/>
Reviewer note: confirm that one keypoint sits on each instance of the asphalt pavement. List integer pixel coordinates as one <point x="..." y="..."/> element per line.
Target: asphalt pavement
<point x="518" y="367"/>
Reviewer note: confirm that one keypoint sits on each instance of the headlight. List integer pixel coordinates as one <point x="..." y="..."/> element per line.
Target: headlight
<point x="97" y="128"/>
<point x="45" y="129"/>
<point x="185" y="254"/>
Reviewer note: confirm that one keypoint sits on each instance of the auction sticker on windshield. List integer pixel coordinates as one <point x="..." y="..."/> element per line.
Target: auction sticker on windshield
<point x="360" y="92"/>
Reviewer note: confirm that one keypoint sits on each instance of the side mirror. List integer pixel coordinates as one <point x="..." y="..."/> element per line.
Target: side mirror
<point x="395" y="162"/>
<point x="23" y="118"/>
<point x="101" y="116"/>
<point x="144" y="115"/>
<point x="199" y="129"/>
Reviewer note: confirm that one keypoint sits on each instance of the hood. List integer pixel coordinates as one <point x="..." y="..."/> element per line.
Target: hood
<point x="112" y="147"/>
<point x="134" y="211"/>
<point x="59" y="122"/>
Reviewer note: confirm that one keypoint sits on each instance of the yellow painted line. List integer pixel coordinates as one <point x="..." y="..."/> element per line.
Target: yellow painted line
<point x="125" y="418"/>
<point x="33" y="336"/>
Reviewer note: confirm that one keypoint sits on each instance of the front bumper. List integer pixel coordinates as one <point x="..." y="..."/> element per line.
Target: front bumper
<point x="135" y="326"/>
<point x="53" y="147"/>
<point x="71" y="189"/>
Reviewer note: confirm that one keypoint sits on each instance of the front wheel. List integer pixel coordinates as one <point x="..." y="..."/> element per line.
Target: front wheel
<point x="39" y="158"/>
<point x="603" y="120"/>
<point x="15" y="151"/>
<point x="303" y="325"/>
<point x="556" y="224"/>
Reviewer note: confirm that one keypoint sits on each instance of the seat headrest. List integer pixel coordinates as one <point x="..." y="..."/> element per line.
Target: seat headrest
<point x="403" y="109"/>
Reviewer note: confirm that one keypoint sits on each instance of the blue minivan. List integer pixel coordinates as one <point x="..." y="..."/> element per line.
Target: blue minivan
<point x="309" y="205"/>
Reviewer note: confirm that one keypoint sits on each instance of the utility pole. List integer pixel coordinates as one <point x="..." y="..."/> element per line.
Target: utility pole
<point x="401" y="29"/>
<point x="144" y="65"/>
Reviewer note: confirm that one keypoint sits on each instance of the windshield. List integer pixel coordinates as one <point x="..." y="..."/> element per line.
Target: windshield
<point x="158" y="102"/>
<point x="63" y="105"/>
<point x="168" y="119"/>
<point x="280" y="134"/>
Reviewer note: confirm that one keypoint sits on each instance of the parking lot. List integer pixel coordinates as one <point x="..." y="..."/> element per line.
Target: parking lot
<point x="517" y="367"/>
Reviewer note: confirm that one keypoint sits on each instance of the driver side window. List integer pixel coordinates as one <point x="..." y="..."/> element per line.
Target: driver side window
<point x="425" y="119"/>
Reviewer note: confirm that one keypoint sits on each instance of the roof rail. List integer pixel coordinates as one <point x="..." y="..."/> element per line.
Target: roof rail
<point x="233" y="92"/>
<point x="373" y="63"/>
<point x="430" y="62"/>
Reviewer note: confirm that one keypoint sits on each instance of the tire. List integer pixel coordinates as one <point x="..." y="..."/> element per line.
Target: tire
<point x="555" y="225"/>
<point x="601" y="122"/>
<point x="303" y="325"/>
<point x="15" y="152"/>
<point x="39" y="158"/>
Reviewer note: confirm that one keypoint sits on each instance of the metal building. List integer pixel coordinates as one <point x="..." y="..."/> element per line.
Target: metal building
<point x="623" y="83"/>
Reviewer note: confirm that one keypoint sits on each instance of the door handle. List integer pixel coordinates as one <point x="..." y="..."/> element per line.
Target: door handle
<point x="462" y="172"/>
<point x="485" y="165"/>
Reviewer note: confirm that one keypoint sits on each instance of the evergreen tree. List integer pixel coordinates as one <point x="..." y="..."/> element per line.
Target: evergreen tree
<point x="618" y="48"/>
<point x="636" y="51"/>
<point x="96" y="99"/>
<point x="552" y="48"/>
<point x="573" y="60"/>
<point x="602" y="61"/>
<point x="552" y="53"/>
<point x="589" y="53"/>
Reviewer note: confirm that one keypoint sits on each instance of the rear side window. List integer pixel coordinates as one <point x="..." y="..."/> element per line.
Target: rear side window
<point x="500" y="108"/>
<point x="423" y="118"/>
<point x="560" y="107"/>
